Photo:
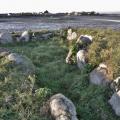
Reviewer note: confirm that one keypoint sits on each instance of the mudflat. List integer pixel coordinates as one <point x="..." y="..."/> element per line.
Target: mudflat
<point x="55" y="23"/>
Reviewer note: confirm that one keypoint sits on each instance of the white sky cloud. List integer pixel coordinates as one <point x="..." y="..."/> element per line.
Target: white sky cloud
<point x="58" y="5"/>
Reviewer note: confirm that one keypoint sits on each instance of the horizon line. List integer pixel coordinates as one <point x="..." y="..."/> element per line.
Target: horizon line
<point x="113" y="12"/>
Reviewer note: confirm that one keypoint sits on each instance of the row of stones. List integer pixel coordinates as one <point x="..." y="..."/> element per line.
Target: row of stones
<point x="60" y="106"/>
<point x="26" y="36"/>
<point x="100" y="75"/>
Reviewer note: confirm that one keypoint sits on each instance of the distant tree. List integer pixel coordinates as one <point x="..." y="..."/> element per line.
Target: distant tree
<point x="46" y="12"/>
<point x="84" y="13"/>
<point x="92" y="13"/>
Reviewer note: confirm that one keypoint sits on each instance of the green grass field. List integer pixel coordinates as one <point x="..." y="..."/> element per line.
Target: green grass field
<point x="53" y="75"/>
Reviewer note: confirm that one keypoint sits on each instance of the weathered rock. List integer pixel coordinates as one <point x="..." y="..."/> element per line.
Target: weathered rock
<point x="69" y="32"/>
<point x="46" y="35"/>
<point x="99" y="75"/>
<point x="4" y="52"/>
<point x="81" y="59"/>
<point x="6" y="38"/>
<point x="115" y="85"/>
<point x="115" y="102"/>
<point x="62" y="108"/>
<point x="25" y="37"/>
<point x="14" y="57"/>
<point x="71" y="35"/>
<point x="85" y="39"/>
<point x="23" y="62"/>
<point x="69" y="57"/>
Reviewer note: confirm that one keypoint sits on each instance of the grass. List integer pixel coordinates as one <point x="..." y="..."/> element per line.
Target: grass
<point x="53" y="75"/>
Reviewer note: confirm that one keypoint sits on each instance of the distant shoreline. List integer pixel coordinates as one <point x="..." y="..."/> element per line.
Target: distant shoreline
<point x="47" y="14"/>
<point x="32" y="16"/>
<point x="12" y="24"/>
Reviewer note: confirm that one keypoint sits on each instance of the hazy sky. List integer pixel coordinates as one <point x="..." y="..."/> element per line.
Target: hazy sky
<point x="7" y="6"/>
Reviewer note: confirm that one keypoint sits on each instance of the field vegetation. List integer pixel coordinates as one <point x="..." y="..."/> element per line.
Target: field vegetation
<point x="52" y="75"/>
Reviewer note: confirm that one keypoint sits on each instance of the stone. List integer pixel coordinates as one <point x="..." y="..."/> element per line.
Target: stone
<point x="81" y="59"/>
<point x="4" y="52"/>
<point x="71" y="35"/>
<point x="115" y="85"/>
<point x="46" y="35"/>
<point x="62" y="108"/>
<point x="87" y="39"/>
<point x="14" y="57"/>
<point x="99" y="76"/>
<point x="69" y="32"/>
<point x="6" y="38"/>
<point x="69" y="57"/>
<point x="25" y="37"/>
<point x="115" y="102"/>
<point x="24" y="63"/>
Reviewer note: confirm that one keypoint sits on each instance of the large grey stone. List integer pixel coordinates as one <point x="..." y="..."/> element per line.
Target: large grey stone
<point x="62" y="108"/>
<point x="81" y="58"/>
<point x="25" y="37"/>
<point x="115" y="102"/>
<point x="14" y="57"/>
<point x="23" y="62"/>
<point x="6" y="38"/>
<point x="99" y="75"/>
<point x="4" y="52"/>
<point x="87" y="39"/>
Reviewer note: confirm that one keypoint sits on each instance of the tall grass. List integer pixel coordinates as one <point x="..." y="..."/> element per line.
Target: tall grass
<point x="53" y="76"/>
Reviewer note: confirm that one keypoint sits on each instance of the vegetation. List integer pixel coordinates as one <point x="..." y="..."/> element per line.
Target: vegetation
<point x="47" y="13"/>
<point x="52" y="75"/>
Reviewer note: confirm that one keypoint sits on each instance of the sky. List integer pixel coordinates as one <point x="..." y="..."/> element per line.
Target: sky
<point x="54" y="6"/>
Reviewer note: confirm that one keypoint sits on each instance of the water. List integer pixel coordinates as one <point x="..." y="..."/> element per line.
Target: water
<point x="108" y="20"/>
<point x="55" y="23"/>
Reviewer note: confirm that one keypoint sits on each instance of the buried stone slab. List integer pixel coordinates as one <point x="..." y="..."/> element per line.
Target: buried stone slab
<point x="99" y="75"/>
<point x="115" y="102"/>
<point x="81" y="59"/>
<point x="46" y="35"/>
<point x="23" y="62"/>
<point x="38" y="36"/>
<point x="6" y="38"/>
<point x="62" y="108"/>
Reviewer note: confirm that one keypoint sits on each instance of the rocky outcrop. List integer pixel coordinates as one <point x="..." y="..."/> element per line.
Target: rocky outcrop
<point x="81" y="59"/>
<point x="99" y="75"/>
<point x="6" y="38"/>
<point x="25" y="37"/>
<point x="71" y="35"/>
<point x="62" y="108"/>
<point x="115" y="102"/>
